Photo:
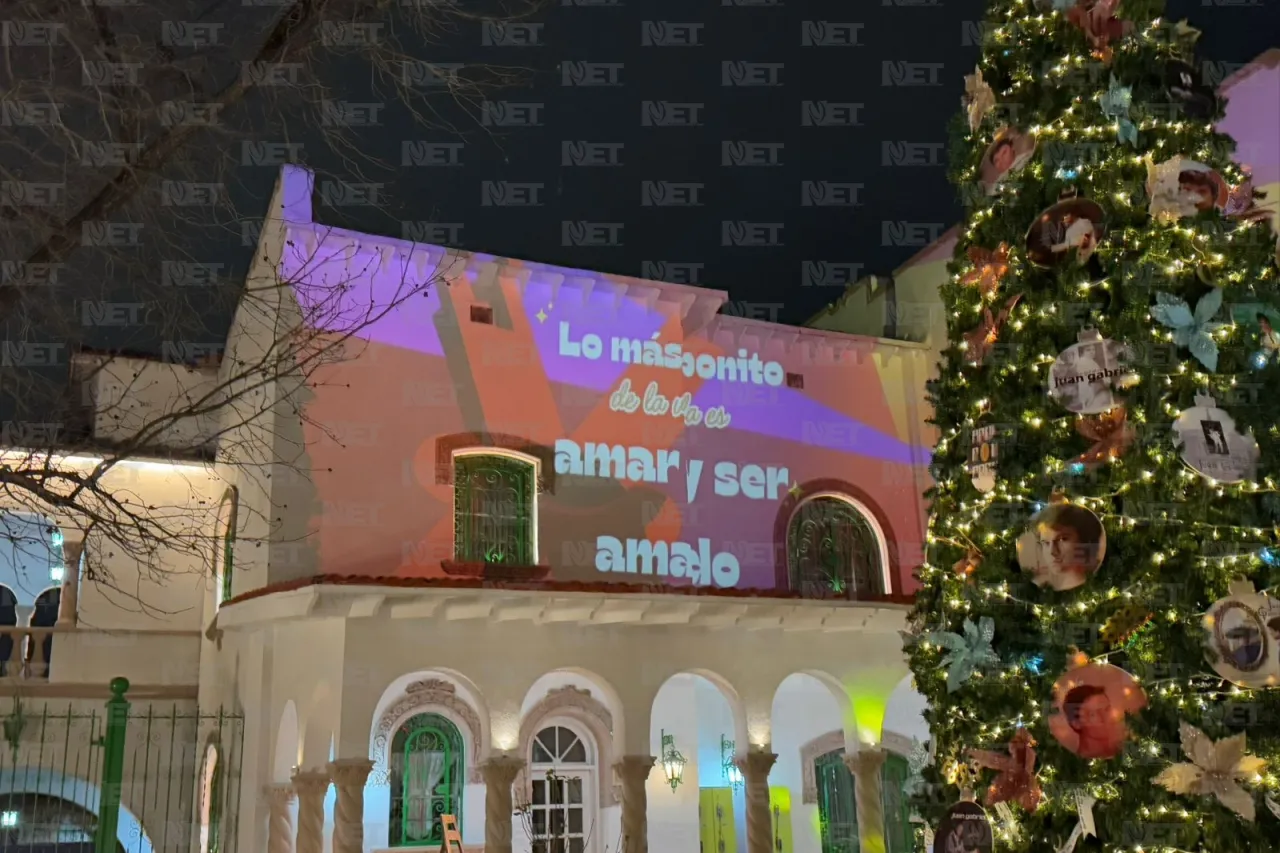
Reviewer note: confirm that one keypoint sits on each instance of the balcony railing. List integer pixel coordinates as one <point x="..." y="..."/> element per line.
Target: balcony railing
<point x="67" y="656"/>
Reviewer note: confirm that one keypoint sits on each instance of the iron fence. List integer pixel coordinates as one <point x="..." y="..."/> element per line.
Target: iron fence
<point x="125" y="778"/>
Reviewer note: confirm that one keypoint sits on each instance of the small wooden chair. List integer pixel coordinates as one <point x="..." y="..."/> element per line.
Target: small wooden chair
<point x="452" y="837"/>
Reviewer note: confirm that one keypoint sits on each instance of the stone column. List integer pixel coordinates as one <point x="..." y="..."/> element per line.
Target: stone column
<point x="311" y="786"/>
<point x="755" y="772"/>
<point x="349" y="776"/>
<point x="280" y="799"/>
<point x="633" y="772"/>
<point x="68" y="603"/>
<point x="865" y="765"/>
<point x="499" y="773"/>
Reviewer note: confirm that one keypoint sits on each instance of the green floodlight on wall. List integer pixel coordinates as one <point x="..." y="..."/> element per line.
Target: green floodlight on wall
<point x="672" y="761"/>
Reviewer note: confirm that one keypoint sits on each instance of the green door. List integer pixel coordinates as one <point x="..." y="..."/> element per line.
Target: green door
<point x="426" y="780"/>
<point x="837" y="805"/>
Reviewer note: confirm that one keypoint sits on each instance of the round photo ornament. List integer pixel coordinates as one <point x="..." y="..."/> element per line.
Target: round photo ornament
<point x="1091" y="702"/>
<point x="1243" y="636"/>
<point x="1212" y="445"/>
<point x="1086" y="375"/>
<point x="1063" y="546"/>
<point x="1066" y="231"/>
<point x="1007" y="154"/>
<point x="1179" y="187"/>
<point x="964" y="829"/>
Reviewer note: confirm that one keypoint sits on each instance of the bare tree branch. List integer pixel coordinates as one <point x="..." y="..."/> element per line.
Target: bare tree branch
<point x="125" y="139"/>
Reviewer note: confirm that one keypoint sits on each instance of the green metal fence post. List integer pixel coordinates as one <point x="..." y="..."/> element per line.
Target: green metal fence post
<point x="104" y="839"/>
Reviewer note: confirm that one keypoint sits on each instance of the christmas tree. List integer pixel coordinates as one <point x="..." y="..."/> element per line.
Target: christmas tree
<point x="1093" y="633"/>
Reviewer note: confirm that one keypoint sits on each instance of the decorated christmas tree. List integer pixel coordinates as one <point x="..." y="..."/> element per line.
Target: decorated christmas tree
<point x="1094" y="635"/>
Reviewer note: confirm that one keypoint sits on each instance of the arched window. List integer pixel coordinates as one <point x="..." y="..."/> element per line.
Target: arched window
<point x="833" y="551"/>
<point x="426" y="768"/>
<point x="211" y="801"/>
<point x="224" y="545"/>
<point x="495" y="509"/>
<point x="561" y="812"/>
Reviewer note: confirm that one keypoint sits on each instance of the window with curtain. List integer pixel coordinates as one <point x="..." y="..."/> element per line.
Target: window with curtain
<point x="833" y="551"/>
<point x="493" y="509"/>
<point x="838" y="804"/>
<point x="426" y="766"/>
<point x="561" y="804"/>
<point x="226" y="540"/>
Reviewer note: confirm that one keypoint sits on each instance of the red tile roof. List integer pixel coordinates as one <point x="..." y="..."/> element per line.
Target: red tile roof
<point x="538" y="586"/>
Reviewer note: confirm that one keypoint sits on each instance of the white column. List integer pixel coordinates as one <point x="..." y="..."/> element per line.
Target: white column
<point x="68" y="602"/>
<point x="633" y="772"/>
<point x="311" y="787"/>
<point x="349" y="777"/>
<point x="280" y="800"/>
<point x="499" y="773"/>
<point x="865" y="765"/>
<point x="755" y="772"/>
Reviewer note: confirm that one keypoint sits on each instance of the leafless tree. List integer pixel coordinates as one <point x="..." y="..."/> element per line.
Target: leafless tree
<point x="137" y="142"/>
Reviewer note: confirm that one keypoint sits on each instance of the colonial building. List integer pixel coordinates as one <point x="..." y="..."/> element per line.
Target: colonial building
<point x="570" y="557"/>
<point x="573" y="559"/>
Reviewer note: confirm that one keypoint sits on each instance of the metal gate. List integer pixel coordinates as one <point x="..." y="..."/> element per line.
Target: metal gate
<point x="76" y="779"/>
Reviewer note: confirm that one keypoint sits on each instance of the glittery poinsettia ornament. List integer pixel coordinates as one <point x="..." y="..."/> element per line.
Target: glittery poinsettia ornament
<point x="967" y="653"/>
<point x="1215" y="770"/>
<point x="1242" y="204"/>
<point x="1110" y="432"/>
<point x="1015" y="781"/>
<point x="978" y="98"/>
<point x="990" y="266"/>
<point x="1097" y="18"/>
<point x="967" y="565"/>
<point x="1115" y="103"/>
<point x="978" y="343"/>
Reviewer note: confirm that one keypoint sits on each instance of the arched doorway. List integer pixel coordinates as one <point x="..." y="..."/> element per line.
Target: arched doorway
<point x="562" y="811"/>
<point x="427" y="765"/>
<point x="39" y="823"/>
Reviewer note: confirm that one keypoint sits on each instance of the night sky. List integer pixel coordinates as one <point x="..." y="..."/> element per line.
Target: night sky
<point x="930" y="46"/>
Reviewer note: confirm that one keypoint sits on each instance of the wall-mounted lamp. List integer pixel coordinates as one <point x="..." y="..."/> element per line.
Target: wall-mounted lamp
<point x="672" y="761"/>
<point x="732" y="774"/>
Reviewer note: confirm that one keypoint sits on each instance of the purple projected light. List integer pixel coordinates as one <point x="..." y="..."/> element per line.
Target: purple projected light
<point x="376" y="272"/>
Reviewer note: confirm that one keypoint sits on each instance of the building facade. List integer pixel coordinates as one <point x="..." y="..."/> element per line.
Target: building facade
<point x="573" y="558"/>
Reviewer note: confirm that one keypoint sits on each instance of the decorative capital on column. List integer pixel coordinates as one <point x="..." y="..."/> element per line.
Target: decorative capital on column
<point x="756" y="765"/>
<point x="635" y="767"/>
<point x="310" y="783"/>
<point x="501" y="769"/>
<point x="279" y="795"/>
<point x="350" y="771"/>
<point x="868" y="759"/>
